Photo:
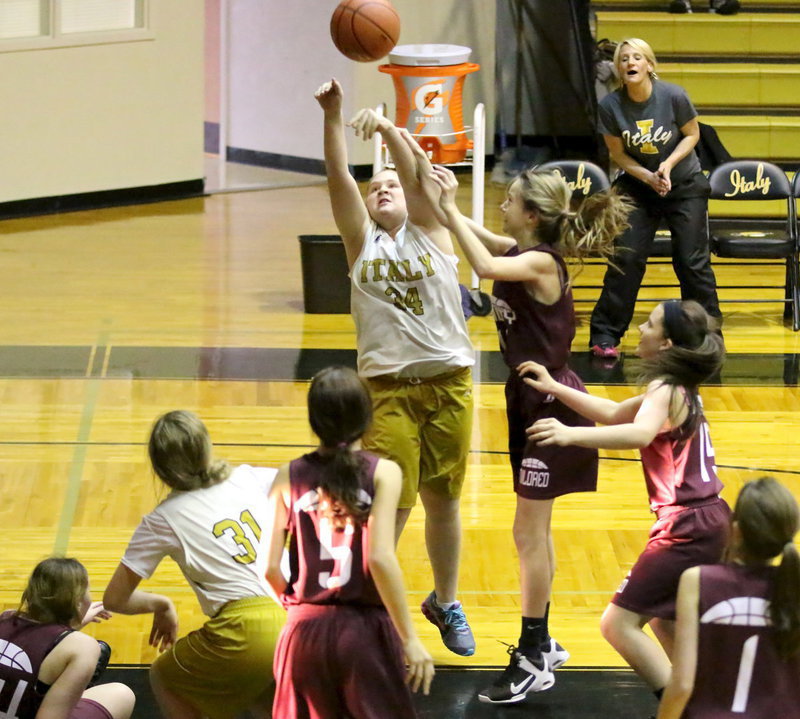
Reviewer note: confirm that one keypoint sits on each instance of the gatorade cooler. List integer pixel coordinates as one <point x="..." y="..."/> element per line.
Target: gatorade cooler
<point x="429" y="84"/>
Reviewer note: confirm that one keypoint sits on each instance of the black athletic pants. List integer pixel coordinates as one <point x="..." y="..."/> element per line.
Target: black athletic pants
<point x="685" y="211"/>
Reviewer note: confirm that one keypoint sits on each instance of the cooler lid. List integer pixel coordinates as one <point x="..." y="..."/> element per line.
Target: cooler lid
<point x="429" y="54"/>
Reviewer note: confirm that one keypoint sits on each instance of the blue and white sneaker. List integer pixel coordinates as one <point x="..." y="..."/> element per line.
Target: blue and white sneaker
<point x="523" y="674"/>
<point x="452" y="625"/>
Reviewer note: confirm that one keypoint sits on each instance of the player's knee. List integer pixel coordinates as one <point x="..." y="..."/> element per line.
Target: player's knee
<point x="610" y="627"/>
<point x="118" y="699"/>
<point x="528" y="541"/>
<point x="125" y="700"/>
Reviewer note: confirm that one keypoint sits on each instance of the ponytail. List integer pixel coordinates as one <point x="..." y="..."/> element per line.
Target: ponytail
<point x="591" y="230"/>
<point x="181" y="452"/>
<point x="785" y="604"/>
<point x="767" y="516"/>
<point x="340" y="411"/>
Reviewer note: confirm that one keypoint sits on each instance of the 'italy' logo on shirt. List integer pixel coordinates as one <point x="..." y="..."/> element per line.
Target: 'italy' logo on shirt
<point x="646" y="138"/>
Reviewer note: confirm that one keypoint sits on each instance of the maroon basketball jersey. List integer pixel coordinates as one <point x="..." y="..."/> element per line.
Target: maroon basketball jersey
<point x="680" y="471"/>
<point x="531" y="330"/>
<point x="328" y="566"/>
<point x="739" y="672"/>
<point x="24" y="644"/>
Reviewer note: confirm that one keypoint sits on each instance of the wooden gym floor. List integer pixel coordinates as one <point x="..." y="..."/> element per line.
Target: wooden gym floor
<point x="114" y="316"/>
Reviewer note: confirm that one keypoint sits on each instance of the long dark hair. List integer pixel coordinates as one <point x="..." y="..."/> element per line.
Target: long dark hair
<point x="767" y="516"/>
<point x="54" y="592"/>
<point x="181" y="452"/>
<point x="340" y="411"/>
<point x="696" y="354"/>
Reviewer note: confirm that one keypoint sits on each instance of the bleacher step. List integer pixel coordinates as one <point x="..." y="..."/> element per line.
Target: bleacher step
<point x="750" y="34"/>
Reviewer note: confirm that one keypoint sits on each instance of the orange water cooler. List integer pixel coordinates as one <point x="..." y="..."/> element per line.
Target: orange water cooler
<point x="429" y="85"/>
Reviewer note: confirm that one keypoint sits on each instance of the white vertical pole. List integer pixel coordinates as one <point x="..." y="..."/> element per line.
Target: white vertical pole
<point x="224" y="67"/>
<point x="377" y="143"/>
<point x="478" y="170"/>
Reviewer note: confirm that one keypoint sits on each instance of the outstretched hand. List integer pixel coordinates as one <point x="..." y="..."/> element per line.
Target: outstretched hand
<point x="329" y="96"/>
<point x="446" y="180"/>
<point x="366" y="123"/>
<point x="537" y="376"/>
<point x="95" y="613"/>
<point x="549" y="431"/>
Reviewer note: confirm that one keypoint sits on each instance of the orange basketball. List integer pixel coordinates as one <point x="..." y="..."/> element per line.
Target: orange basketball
<point x="365" y="30"/>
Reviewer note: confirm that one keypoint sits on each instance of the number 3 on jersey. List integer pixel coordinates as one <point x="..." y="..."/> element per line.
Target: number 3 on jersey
<point x="237" y="533"/>
<point x="410" y="302"/>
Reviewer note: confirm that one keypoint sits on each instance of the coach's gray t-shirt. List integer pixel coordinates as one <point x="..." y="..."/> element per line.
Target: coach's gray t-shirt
<point x="650" y="130"/>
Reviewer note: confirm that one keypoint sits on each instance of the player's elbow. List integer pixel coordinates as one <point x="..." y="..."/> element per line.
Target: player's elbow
<point x="113" y="600"/>
<point x="380" y="562"/>
<point x="681" y="687"/>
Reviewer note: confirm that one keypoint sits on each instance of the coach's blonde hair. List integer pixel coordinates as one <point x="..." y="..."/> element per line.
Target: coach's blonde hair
<point x="641" y="46"/>
<point x="181" y="452"/>
<point x="589" y="230"/>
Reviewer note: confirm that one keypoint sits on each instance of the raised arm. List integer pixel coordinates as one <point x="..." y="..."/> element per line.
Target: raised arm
<point x="409" y="171"/>
<point x="349" y="211"/>
<point x="123" y="596"/>
<point x="531" y="267"/>
<point x="385" y="570"/>
<point x="496" y="244"/>
<point x="684" y="656"/>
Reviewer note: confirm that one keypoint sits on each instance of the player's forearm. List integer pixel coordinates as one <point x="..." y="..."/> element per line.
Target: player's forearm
<point x="674" y="701"/>
<point x="476" y="253"/>
<point x="137" y="602"/>
<point x="619" y="436"/>
<point x="496" y="244"/>
<point x="385" y="571"/>
<point x="682" y="149"/>
<point x="276" y="581"/>
<point x="335" y="146"/>
<point x="597" y="409"/>
<point x="404" y="161"/>
<point x="632" y="167"/>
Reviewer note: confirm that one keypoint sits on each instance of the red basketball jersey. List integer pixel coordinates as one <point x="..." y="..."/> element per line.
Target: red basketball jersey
<point x="739" y="673"/>
<point x="680" y="472"/>
<point x="24" y="644"/>
<point x="531" y="330"/>
<point x="328" y="566"/>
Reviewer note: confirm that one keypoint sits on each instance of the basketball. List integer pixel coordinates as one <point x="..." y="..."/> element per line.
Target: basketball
<point x="365" y="30"/>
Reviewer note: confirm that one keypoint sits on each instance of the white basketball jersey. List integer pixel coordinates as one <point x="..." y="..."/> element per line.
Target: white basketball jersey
<point x="216" y="535"/>
<point x="406" y="305"/>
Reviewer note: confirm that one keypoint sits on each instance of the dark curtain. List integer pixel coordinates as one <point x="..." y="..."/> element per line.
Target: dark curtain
<point x="546" y="101"/>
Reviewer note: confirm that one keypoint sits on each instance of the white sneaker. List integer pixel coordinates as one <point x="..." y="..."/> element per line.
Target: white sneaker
<point x="522" y="675"/>
<point x="555" y="654"/>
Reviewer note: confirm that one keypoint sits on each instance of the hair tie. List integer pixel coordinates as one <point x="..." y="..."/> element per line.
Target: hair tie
<point x="342" y="445"/>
